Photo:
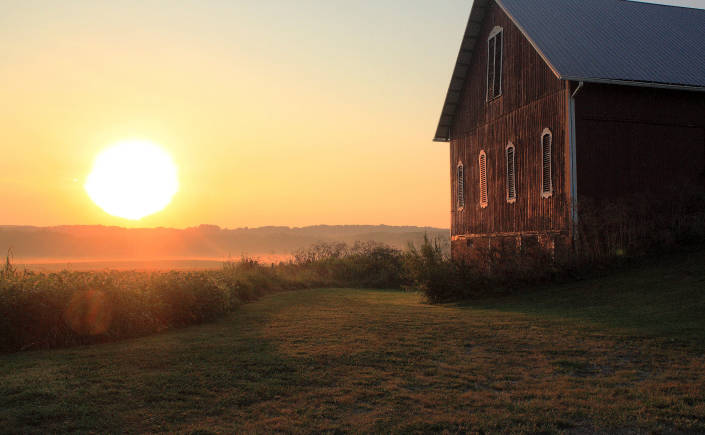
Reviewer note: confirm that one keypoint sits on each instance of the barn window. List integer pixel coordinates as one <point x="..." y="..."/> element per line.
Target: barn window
<point x="546" y="173"/>
<point x="483" y="179"/>
<point x="494" y="63"/>
<point x="511" y="173"/>
<point x="460" y="185"/>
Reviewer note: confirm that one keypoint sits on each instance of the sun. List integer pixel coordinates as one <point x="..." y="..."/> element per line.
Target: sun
<point x="132" y="179"/>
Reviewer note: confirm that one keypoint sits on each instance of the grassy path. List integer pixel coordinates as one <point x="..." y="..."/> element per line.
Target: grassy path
<point x="324" y="360"/>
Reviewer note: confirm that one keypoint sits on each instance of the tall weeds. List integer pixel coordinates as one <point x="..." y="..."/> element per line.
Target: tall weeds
<point x="47" y="310"/>
<point x="8" y="270"/>
<point x="609" y="233"/>
<point x="40" y="310"/>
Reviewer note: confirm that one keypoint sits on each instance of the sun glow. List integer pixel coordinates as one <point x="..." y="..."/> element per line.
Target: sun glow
<point x="132" y="180"/>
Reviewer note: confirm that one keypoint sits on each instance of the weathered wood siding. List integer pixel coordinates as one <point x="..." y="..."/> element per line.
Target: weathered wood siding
<point x="532" y="99"/>
<point x="634" y="140"/>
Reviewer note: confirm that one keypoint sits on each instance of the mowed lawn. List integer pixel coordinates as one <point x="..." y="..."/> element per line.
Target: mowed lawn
<point x="619" y="353"/>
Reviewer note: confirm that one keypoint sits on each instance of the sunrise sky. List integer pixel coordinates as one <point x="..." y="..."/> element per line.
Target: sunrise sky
<point x="275" y="112"/>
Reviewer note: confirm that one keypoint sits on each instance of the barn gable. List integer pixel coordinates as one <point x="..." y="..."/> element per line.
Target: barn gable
<point x="531" y="99"/>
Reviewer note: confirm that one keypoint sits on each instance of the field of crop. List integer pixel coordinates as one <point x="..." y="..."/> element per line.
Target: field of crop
<point x="48" y="310"/>
<point x="620" y="353"/>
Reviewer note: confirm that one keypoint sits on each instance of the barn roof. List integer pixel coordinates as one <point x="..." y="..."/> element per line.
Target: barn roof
<point x="602" y="41"/>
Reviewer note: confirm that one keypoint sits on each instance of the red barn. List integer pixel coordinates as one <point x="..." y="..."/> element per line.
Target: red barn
<point x="554" y="101"/>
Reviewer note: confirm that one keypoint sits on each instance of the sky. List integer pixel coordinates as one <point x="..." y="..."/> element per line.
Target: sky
<point x="276" y="112"/>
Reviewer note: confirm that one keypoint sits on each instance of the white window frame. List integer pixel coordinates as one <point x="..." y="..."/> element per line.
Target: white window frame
<point x="495" y="31"/>
<point x="460" y="186"/>
<point x="513" y="177"/>
<point x="547" y="193"/>
<point x="484" y="189"/>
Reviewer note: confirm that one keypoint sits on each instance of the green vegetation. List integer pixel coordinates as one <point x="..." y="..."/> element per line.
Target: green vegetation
<point x="40" y="310"/>
<point x="48" y="310"/>
<point x="611" y="233"/>
<point x="620" y="353"/>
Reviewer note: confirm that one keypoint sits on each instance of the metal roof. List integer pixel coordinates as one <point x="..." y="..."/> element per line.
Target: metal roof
<point x="604" y="41"/>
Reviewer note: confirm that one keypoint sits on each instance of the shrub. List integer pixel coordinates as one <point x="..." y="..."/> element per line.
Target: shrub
<point x="610" y="232"/>
<point x="363" y="265"/>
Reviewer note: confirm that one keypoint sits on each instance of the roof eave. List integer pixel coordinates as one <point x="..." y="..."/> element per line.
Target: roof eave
<point x="462" y="64"/>
<point x="655" y="85"/>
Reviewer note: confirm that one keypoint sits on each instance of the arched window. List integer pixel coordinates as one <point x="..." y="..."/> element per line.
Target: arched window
<point x="547" y="172"/>
<point x="483" y="179"/>
<point x="510" y="154"/>
<point x="494" y="63"/>
<point x="460" y="185"/>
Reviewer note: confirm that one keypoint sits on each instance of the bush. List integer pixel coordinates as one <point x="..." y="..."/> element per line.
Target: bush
<point x="363" y="265"/>
<point x="610" y="232"/>
<point x="432" y="272"/>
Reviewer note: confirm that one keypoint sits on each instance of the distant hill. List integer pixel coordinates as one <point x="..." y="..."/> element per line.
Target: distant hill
<point x="205" y="241"/>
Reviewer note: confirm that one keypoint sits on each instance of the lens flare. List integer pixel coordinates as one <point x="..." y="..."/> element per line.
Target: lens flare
<point x="132" y="180"/>
<point x="89" y="313"/>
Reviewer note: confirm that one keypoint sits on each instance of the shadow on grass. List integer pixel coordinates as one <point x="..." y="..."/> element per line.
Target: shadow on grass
<point x="174" y="379"/>
<point x="334" y="360"/>
<point x="661" y="297"/>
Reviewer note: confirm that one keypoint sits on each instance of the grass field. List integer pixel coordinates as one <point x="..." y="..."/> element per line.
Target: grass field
<point x="621" y="353"/>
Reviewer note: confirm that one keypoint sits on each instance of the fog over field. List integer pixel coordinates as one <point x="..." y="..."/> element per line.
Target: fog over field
<point x="96" y="247"/>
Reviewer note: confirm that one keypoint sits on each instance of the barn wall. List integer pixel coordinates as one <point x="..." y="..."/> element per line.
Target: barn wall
<point x="532" y="99"/>
<point x="634" y="140"/>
